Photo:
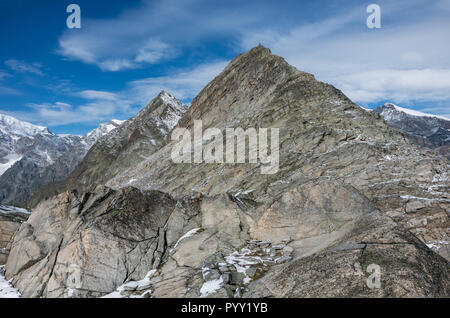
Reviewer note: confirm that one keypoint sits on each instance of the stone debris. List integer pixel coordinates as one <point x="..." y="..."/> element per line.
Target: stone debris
<point x="236" y="270"/>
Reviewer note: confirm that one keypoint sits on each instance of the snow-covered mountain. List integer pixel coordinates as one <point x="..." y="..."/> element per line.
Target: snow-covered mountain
<point x="11" y="131"/>
<point x="427" y="130"/>
<point x="17" y="128"/>
<point x="31" y="156"/>
<point x="105" y="128"/>
<point x="123" y="147"/>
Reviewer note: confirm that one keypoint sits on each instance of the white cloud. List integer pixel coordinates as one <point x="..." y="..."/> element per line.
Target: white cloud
<point x="103" y="105"/>
<point x="23" y="67"/>
<point x="159" y="30"/>
<point x="127" y="42"/>
<point x="7" y="90"/>
<point x="61" y="113"/>
<point x="398" y="85"/>
<point x="404" y="61"/>
<point x="102" y="95"/>
<point x="184" y="85"/>
<point x="152" y="52"/>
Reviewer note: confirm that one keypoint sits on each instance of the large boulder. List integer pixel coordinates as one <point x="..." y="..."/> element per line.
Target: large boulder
<point x="86" y="246"/>
<point x="375" y="245"/>
<point x="10" y="220"/>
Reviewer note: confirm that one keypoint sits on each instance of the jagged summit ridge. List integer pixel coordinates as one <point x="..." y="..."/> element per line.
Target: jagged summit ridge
<point x="393" y="109"/>
<point x="103" y="129"/>
<point x="323" y="135"/>
<point x="130" y="143"/>
<point x="247" y="80"/>
<point x="17" y="128"/>
<point x="426" y="130"/>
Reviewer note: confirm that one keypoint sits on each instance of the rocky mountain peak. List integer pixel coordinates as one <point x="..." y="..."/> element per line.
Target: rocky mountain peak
<point x="125" y="146"/>
<point x="424" y="129"/>
<point x="103" y="129"/>
<point x="392" y="112"/>
<point x="18" y="128"/>
<point x="239" y="91"/>
<point x="165" y="110"/>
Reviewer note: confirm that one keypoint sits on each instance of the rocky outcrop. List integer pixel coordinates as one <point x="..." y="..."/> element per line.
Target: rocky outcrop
<point x="351" y="192"/>
<point x="10" y="220"/>
<point x="86" y="246"/>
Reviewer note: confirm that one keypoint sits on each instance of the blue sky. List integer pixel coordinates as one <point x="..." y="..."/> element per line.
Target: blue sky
<point x="127" y="51"/>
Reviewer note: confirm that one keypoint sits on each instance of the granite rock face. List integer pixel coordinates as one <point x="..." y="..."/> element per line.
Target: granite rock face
<point x="85" y="246"/>
<point x="351" y="192"/>
<point x="10" y="220"/>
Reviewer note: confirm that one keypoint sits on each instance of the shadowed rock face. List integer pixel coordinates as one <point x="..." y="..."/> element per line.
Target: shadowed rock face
<point x="350" y="192"/>
<point x="89" y="244"/>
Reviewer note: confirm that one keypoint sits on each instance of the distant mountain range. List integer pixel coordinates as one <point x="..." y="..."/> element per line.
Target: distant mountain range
<point x="426" y="130"/>
<point x="122" y="148"/>
<point x="31" y="156"/>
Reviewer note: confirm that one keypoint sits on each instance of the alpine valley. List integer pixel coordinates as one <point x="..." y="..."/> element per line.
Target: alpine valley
<point x="111" y="215"/>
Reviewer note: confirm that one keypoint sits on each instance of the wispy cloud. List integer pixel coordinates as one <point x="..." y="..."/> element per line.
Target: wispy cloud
<point x="158" y="31"/>
<point x="61" y="113"/>
<point x="99" y="95"/>
<point x="401" y="86"/>
<point x="98" y="106"/>
<point x="24" y="67"/>
<point x="368" y="65"/>
<point x="185" y="84"/>
<point x="3" y="75"/>
<point x="406" y="61"/>
<point x="8" y="91"/>
<point x="127" y="42"/>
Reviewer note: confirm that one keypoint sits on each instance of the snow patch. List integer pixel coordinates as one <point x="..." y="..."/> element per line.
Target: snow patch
<point x="7" y="290"/>
<point x="20" y="128"/>
<point x="11" y="158"/>
<point x="132" y="285"/>
<point x="185" y="236"/>
<point x="436" y="245"/>
<point x="210" y="287"/>
<point x="11" y="209"/>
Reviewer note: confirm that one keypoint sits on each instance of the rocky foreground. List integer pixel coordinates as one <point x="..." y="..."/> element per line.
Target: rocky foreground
<point x="351" y="192"/>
